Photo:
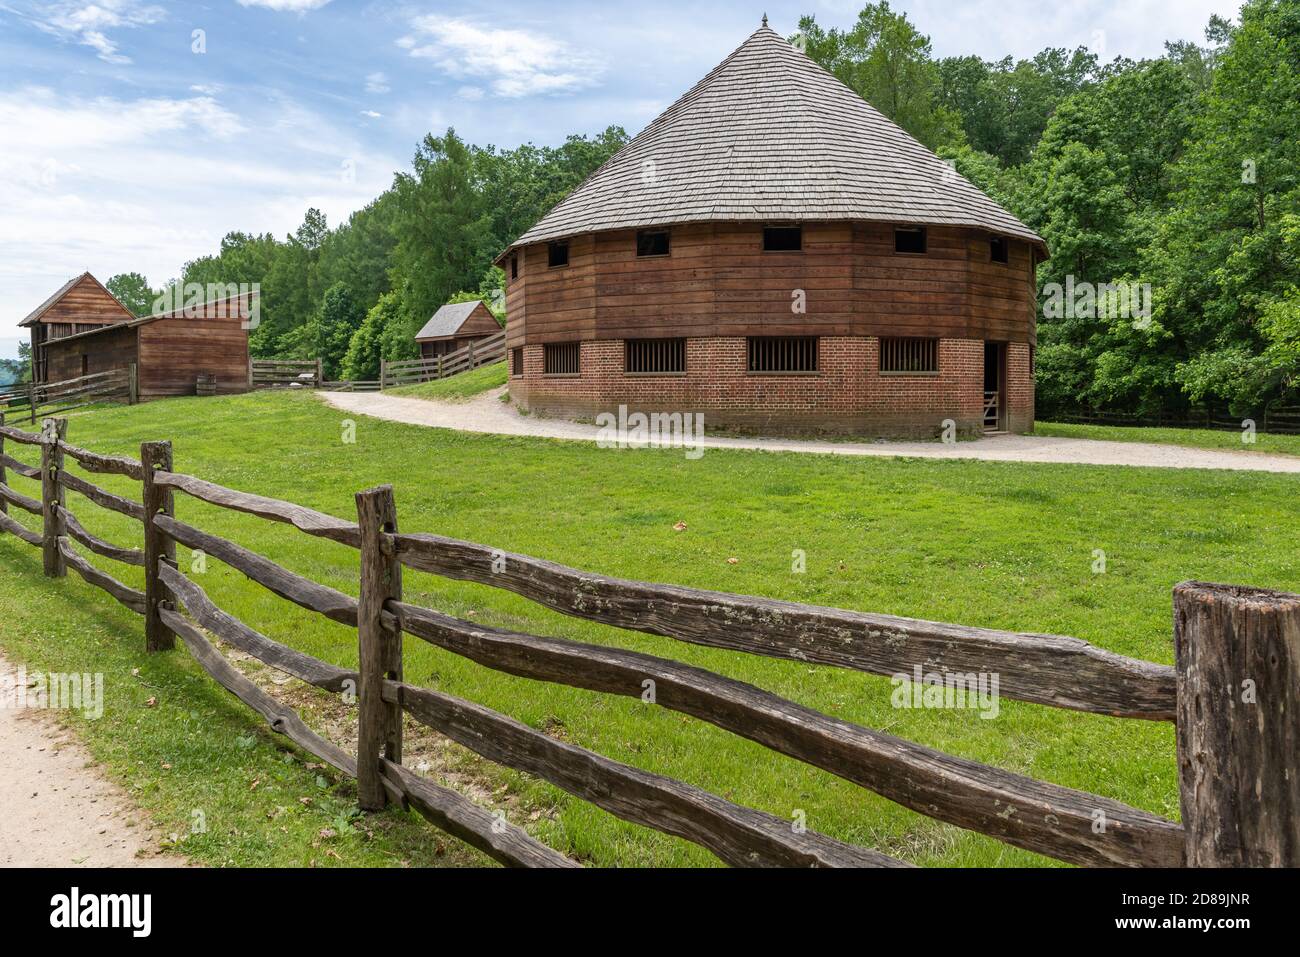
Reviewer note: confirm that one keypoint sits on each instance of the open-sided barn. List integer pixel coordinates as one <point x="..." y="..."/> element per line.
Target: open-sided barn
<point x="83" y="330"/>
<point x="774" y="252"/>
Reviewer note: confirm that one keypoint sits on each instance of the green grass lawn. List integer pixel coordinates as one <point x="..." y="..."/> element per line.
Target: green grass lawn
<point x="1193" y="438"/>
<point x="981" y="543"/>
<point x="463" y="386"/>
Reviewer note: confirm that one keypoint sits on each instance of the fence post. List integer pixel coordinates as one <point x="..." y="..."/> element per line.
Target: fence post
<point x="320" y="372"/>
<point x="4" y="480"/>
<point x="470" y="355"/>
<point x="380" y="650"/>
<point x="132" y="384"/>
<point x="31" y="400"/>
<point x="1238" y="653"/>
<point x="53" y="431"/>
<point x="155" y="456"/>
<point x="440" y="365"/>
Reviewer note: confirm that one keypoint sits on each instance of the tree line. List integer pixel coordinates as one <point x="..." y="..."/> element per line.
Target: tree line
<point x="1178" y="174"/>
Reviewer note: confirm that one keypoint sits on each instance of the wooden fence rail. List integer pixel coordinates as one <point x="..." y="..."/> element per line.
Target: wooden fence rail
<point x="1238" y="768"/>
<point x="413" y="371"/>
<point x="31" y="399"/>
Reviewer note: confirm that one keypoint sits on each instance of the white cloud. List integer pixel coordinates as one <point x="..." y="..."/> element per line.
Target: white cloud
<point x="286" y="6"/>
<point x="113" y="185"/>
<point x="377" y="83"/>
<point x="371" y="114"/>
<point x="514" y="62"/>
<point x="89" y="23"/>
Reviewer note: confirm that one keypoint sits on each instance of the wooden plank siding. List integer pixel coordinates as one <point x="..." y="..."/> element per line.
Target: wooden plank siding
<point x="103" y="352"/>
<point x="174" y="352"/>
<point x="718" y="281"/>
<point x="170" y="352"/>
<point x="87" y="303"/>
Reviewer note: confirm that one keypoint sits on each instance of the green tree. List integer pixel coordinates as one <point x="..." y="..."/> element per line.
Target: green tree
<point x="328" y="334"/>
<point x="1226" y="255"/>
<point x="133" y="291"/>
<point x="366" y="347"/>
<point x="888" y="62"/>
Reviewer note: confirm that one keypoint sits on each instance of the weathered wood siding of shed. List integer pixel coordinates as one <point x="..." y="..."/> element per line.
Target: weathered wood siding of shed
<point x="174" y="352"/>
<point x="104" y="352"/>
<point x="85" y="304"/>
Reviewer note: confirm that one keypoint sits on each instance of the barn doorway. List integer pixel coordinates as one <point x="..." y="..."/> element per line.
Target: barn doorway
<point x="995" y="387"/>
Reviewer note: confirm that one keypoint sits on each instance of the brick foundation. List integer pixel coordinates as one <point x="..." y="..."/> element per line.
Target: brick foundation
<point x="848" y="394"/>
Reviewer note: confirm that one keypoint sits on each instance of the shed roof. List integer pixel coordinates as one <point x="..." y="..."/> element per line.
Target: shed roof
<point x="35" y="315"/>
<point x="446" y="322"/>
<point x="770" y="135"/>
<point x="179" y="313"/>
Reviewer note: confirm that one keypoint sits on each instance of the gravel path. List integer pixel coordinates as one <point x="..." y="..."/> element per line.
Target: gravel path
<point x="486" y="413"/>
<point x="55" y="808"/>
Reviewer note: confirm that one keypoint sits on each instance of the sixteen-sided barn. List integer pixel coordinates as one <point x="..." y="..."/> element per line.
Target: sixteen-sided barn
<point x="775" y="253"/>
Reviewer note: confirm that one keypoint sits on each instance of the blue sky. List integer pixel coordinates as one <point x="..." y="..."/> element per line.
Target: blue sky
<point x="133" y="142"/>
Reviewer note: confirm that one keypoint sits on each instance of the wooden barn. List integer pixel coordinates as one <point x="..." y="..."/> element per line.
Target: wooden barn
<point x="82" y="304"/>
<point x="82" y="330"/>
<point x="455" y="326"/>
<point x="775" y="253"/>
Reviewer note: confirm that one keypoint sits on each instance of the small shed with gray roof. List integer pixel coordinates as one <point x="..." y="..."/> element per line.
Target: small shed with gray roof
<point x="455" y="326"/>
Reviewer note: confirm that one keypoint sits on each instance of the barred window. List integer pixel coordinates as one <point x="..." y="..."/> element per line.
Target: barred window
<point x="909" y="355"/>
<point x="517" y="361"/>
<point x="656" y="355"/>
<point x="557" y="254"/>
<point x="783" y="354"/>
<point x="782" y="238"/>
<point x="999" y="250"/>
<point x="561" y="358"/>
<point x="909" y="239"/>
<point x="652" y="242"/>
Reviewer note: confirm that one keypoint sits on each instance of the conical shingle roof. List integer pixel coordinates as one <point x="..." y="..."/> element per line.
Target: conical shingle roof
<point x="769" y="135"/>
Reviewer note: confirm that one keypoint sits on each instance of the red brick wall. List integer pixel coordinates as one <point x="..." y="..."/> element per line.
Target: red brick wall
<point x="848" y="394"/>
<point x="1020" y="388"/>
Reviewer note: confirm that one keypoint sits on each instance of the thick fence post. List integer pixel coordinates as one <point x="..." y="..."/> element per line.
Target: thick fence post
<point x="380" y="650"/>
<point x="383" y="374"/>
<point x="53" y="431"/>
<point x="1238" y="662"/>
<point x="155" y="456"/>
<point x="320" y="372"/>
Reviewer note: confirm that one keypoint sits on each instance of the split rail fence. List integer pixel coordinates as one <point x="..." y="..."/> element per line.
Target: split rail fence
<point x="1239" y="778"/>
<point x="413" y="371"/>
<point x="27" y="400"/>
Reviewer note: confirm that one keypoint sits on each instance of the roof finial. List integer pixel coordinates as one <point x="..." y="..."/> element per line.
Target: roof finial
<point x="764" y="19"/>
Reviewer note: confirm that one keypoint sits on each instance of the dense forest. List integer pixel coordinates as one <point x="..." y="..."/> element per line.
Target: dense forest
<point x="1181" y="174"/>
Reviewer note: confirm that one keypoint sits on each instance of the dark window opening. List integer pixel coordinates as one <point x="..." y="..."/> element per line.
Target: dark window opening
<point x="783" y="354"/>
<point x="999" y="249"/>
<point x="656" y="355"/>
<point x="909" y="355"/>
<point x="558" y="254"/>
<point x="782" y="238"/>
<point x="652" y="243"/>
<point x="514" y="267"/>
<point x="517" y="361"/>
<point x="85" y="365"/>
<point x="561" y="358"/>
<point x="909" y="240"/>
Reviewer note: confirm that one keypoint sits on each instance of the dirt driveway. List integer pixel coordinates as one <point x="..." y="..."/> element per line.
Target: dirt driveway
<point x="56" y="810"/>
<point x="487" y="413"/>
